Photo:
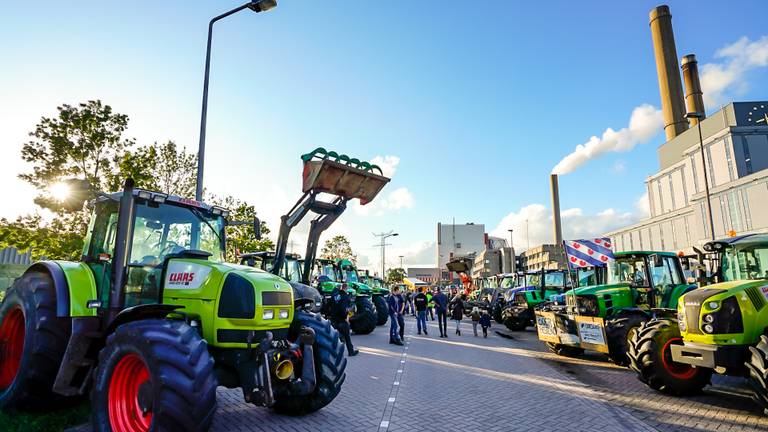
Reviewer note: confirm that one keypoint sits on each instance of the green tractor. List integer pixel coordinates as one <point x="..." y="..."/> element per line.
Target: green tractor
<point x="518" y="313"/>
<point x="379" y="293"/>
<point x="333" y="273"/>
<point x="720" y="328"/>
<point x="506" y="282"/>
<point x="604" y="318"/>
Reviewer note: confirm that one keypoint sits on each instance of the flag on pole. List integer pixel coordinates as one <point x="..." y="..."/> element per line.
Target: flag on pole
<point x="588" y="252"/>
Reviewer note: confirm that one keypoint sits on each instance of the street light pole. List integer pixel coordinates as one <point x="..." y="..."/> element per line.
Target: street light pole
<point x="708" y="202"/>
<point x="256" y="6"/>
<point x="383" y="245"/>
<point x="401" y="260"/>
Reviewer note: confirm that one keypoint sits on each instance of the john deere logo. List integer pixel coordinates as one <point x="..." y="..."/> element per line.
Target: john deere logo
<point x="181" y="278"/>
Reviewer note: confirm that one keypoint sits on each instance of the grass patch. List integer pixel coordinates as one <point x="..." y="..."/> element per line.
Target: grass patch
<point x="46" y="421"/>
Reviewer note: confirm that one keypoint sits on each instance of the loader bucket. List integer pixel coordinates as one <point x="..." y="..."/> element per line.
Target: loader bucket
<point x="341" y="175"/>
<point x="459" y="266"/>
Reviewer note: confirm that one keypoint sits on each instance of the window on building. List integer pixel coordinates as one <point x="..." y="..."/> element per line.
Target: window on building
<point x="710" y="166"/>
<point x="694" y="170"/>
<point x="458" y="245"/>
<point x="661" y="197"/>
<point x="728" y="158"/>
<point x="747" y="157"/>
<point x="734" y="207"/>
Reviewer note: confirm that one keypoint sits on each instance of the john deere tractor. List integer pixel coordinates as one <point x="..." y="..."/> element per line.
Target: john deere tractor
<point x="604" y="318"/>
<point x="333" y="273"/>
<point x="518" y="313"/>
<point x="720" y="328"/>
<point x="378" y="291"/>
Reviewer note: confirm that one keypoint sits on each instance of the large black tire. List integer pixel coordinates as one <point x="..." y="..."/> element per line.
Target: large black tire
<point x="757" y="365"/>
<point x="496" y="311"/>
<point x="565" y="350"/>
<point x="364" y="321"/>
<point x="330" y="367"/>
<point x="163" y="364"/>
<point x="382" y="309"/>
<point x="650" y="357"/>
<point x="32" y="343"/>
<point x="513" y="322"/>
<point x="619" y="331"/>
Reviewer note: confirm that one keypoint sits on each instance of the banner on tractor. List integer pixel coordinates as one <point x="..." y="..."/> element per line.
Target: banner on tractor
<point x="574" y="330"/>
<point x="588" y="252"/>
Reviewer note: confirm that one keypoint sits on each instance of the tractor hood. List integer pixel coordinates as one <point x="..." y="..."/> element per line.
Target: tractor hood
<point x="597" y="290"/>
<point x="755" y="290"/>
<point x="360" y="288"/>
<point x="194" y="278"/>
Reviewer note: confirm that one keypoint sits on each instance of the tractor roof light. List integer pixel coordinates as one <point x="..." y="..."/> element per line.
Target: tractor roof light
<point x="159" y="198"/>
<point x="144" y="194"/>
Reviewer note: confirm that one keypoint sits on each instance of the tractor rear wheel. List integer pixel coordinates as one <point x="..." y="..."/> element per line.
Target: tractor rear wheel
<point x="757" y="365"/>
<point x="382" y="310"/>
<point x="620" y="331"/>
<point x="330" y="367"/>
<point x="496" y="312"/>
<point x="32" y="343"/>
<point x="154" y="374"/>
<point x="565" y="350"/>
<point x="364" y="321"/>
<point x="650" y="356"/>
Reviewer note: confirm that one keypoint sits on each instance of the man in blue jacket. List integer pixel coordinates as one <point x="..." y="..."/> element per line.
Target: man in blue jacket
<point x="395" y="303"/>
<point x="441" y="307"/>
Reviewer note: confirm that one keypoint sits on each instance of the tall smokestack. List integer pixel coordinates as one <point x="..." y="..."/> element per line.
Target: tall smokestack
<point x="694" y="100"/>
<point x="556" y="209"/>
<point x="670" y="87"/>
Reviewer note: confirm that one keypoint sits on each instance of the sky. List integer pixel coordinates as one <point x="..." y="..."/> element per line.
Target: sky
<point x="468" y="105"/>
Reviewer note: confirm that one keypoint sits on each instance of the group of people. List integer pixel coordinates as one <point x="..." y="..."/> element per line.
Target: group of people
<point x="423" y="303"/>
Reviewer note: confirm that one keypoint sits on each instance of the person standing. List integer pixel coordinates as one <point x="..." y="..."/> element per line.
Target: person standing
<point x="420" y="303"/>
<point x="441" y="307"/>
<point x="457" y="312"/>
<point x="395" y="307"/>
<point x="485" y="322"/>
<point x="401" y="316"/>
<point x="475" y="315"/>
<point x="431" y="306"/>
<point x="340" y="306"/>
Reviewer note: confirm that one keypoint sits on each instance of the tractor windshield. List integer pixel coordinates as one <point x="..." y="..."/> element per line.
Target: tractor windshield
<point x="292" y="270"/>
<point x="327" y="270"/>
<point x="350" y="274"/>
<point x="533" y="279"/>
<point x="162" y="230"/>
<point x="556" y="279"/>
<point x="628" y="271"/>
<point x="748" y="262"/>
<point x="508" y="282"/>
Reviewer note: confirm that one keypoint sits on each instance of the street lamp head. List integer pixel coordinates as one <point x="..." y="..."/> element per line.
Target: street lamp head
<point x="696" y="115"/>
<point x="262" y="5"/>
<point x="395" y="234"/>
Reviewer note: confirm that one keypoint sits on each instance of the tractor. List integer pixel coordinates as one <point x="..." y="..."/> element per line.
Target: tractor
<point x="507" y="283"/>
<point x="720" y="328"/>
<point x="290" y="271"/>
<point x="604" y="318"/>
<point x="539" y="286"/>
<point x="151" y="320"/>
<point x="379" y="293"/>
<point x="330" y="274"/>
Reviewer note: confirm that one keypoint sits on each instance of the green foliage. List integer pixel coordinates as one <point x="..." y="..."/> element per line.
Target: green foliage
<point x="82" y="142"/>
<point x="159" y="167"/>
<point x="338" y="248"/>
<point x="58" y="420"/>
<point x="61" y="238"/>
<point x="241" y="238"/>
<point x="395" y="275"/>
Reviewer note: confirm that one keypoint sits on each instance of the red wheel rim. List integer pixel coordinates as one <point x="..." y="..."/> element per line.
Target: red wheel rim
<point x="11" y="346"/>
<point x="678" y="370"/>
<point x="125" y="412"/>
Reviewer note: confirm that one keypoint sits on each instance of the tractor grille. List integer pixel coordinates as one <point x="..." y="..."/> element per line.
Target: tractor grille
<point x="757" y="299"/>
<point x="274" y="298"/>
<point x="692" y="304"/>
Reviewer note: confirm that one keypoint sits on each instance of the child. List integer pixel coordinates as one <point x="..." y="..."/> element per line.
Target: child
<point x="485" y="322"/>
<point x="475" y="319"/>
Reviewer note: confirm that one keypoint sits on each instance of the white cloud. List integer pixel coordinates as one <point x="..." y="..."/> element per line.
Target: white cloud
<point x="738" y="58"/>
<point x="388" y="164"/>
<point x="532" y="224"/>
<point x="619" y="167"/>
<point x="645" y="123"/>
<point x="398" y="199"/>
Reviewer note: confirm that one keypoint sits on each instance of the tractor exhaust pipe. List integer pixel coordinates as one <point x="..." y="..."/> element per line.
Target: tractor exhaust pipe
<point x="306" y="384"/>
<point x="122" y="246"/>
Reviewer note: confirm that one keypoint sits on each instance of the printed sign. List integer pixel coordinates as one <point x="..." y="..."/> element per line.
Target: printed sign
<point x="592" y="333"/>
<point x="545" y="325"/>
<point x="184" y="275"/>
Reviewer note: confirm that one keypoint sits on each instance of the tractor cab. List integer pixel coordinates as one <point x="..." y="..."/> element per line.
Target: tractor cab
<point x="349" y="274"/>
<point x="539" y="287"/>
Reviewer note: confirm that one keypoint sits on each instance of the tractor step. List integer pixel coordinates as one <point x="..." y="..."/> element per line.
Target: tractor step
<point x="77" y="365"/>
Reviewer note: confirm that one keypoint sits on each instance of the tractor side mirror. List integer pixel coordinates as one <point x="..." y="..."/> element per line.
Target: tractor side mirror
<point x="257" y="227"/>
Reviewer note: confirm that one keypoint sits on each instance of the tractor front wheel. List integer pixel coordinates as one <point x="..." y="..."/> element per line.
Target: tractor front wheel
<point x="330" y="367"/>
<point x="757" y="365"/>
<point x="620" y="331"/>
<point x="154" y="375"/>
<point x="650" y="357"/>
<point x="382" y="310"/>
<point x="496" y="309"/>
<point x="565" y="350"/>
<point x="364" y="321"/>
<point x="32" y="343"/>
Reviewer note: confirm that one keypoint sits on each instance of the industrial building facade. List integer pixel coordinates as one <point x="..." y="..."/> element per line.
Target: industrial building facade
<point x="736" y="150"/>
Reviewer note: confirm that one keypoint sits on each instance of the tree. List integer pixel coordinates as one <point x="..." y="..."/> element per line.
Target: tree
<point x="338" y="248"/>
<point x="58" y="239"/>
<point x="82" y="142"/>
<point x="160" y="167"/>
<point x="241" y="238"/>
<point x="395" y="275"/>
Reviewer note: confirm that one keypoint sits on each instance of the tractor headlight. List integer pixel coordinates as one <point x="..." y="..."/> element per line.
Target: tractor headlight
<point x="283" y="314"/>
<point x="268" y="314"/>
<point x="709" y="319"/>
<point x="681" y="323"/>
<point x="708" y="328"/>
<point x="713" y="305"/>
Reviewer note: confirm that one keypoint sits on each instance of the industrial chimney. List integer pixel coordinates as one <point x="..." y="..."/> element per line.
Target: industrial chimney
<point x="693" y="96"/>
<point x="556" y="209"/>
<point x="670" y="87"/>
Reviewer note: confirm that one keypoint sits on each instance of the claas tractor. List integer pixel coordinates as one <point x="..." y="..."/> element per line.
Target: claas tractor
<point x="604" y="318"/>
<point x="379" y="292"/>
<point x="331" y="274"/>
<point x="721" y="328"/>
<point x="518" y="312"/>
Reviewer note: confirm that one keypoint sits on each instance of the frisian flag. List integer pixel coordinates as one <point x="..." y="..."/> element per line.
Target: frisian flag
<point x="588" y="252"/>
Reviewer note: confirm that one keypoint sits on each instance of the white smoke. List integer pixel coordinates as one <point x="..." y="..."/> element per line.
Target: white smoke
<point x="738" y="58"/>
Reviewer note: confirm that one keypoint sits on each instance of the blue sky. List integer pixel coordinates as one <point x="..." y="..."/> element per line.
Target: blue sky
<point x="478" y="100"/>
